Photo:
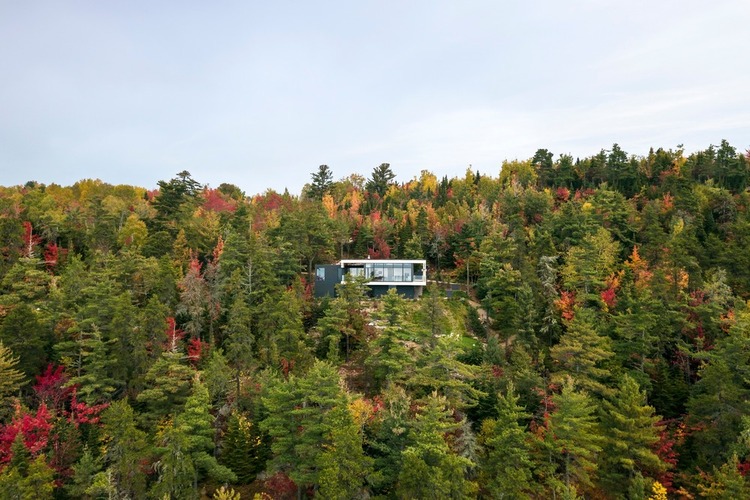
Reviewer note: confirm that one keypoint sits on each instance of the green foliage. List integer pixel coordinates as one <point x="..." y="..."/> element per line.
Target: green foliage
<point x="297" y="421"/>
<point x="25" y="333"/>
<point x="167" y="386"/>
<point x="244" y="451"/>
<point x="429" y="469"/>
<point x="343" y="465"/>
<point x="505" y="463"/>
<point x="322" y="180"/>
<point x="123" y="448"/>
<point x="630" y="428"/>
<point x="35" y="481"/>
<point x="572" y="441"/>
<point x="10" y="378"/>
<point x="721" y="397"/>
<point x="581" y="354"/>
<point x="725" y="483"/>
<point x="382" y="175"/>
<point x="616" y="286"/>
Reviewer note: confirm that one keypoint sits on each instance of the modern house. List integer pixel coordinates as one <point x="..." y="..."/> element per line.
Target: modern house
<point x="408" y="277"/>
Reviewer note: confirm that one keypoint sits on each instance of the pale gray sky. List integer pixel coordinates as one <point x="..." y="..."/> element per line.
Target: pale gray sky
<point x="260" y="93"/>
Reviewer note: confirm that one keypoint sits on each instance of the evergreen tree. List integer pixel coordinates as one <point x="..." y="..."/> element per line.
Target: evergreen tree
<point x="343" y="465"/>
<point x="589" y="264"/>
<point x="10" y="378"/>
<point x="239" y="339"/>
<point x="243" y="452"/>
<point x="389" y="436"/>
<point x="35" y="480"/>
<point x="176" y="471"/>
<point x="439" y="369"/>
<point x="505" y="462"/>
<point x="429" y="468"/>
<point x="631" y="432"/>
<point x="167" y="386"/>
<point x="297" y="423"/>
<point x="26" y="334"/>
<point x="573" y="440"/>
<point x="84" y="476"/>
<point x="581" y="354"/>
<point x="382" y="175"/>
<point x="89" y="362"/>
<point x="726" y="482"/>
<point x="217" y="376"/>
<point x="191" y="439"/>
<point x="322" y="180"/>
<point x="721" y="397"/>
<point x="124" y="449"/>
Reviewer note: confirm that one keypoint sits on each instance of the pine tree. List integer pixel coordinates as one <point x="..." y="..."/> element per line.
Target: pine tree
<point x="35" y="481"/>
<point x="505" y="463"/>
<point x="382" y="175"/>
<point x="573" y="440"/>
<point x="726" y="482"/>
<point x="343" y="465"/>
<point x="24" y="331"/>
<point x="175" y="468"/>
<point x="167" y="386"/>
<point x="589" y="264"/>
<point x="84" y="474"/>
<point x="721" y="397"/>
<point x="280" y="330"/>
<point x="239" y="339"/>
<point x="296" y="421"/>
<point x="124" y="449"/>
<point x="217" y="375"/>
<point x="388" y="357"/>
<point x="196" y="424"/>
<point x="429" y="468"/>
<point x="321" y="182"/>
<point x="631" y="432"/>
<point x="39" y="481"/>
<point x="581" y="353"/>
<point x="438" y="369"/>
<point x="390" y="435"/>
<point x="243" y="450"/>
<point x="90" y="364"/>
<point x="10" y="378"/>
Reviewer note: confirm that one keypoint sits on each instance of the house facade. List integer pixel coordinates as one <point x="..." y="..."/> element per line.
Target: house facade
<point x="408" y="277"/>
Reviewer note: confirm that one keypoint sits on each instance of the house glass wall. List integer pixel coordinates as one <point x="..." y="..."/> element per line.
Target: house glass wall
<point x="389" y="272"/>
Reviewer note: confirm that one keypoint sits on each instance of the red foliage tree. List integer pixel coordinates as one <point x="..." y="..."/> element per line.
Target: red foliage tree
<point x="35" y="430"/>
<point x="30" y="240"/>
<point x="174" y="335"/>
<point x="216" y="201"/>
<point x="196" y="349"/>
<point x="51" y="388"/>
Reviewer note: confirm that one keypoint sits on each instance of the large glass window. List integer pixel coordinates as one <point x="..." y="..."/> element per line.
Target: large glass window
<point x="388" y="269"/>
<point x="418" y="272"/>
<point x="398" y="272"/>
<point x="320" y="274"/>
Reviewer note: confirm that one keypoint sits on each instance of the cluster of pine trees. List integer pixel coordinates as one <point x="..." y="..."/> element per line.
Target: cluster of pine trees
<point x="167" y="343"/>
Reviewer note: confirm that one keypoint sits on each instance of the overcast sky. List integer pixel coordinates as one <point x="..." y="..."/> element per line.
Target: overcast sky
<point x="259" y="94"/>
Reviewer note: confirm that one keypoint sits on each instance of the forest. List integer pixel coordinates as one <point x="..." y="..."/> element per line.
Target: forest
<point x="167" y="343"/>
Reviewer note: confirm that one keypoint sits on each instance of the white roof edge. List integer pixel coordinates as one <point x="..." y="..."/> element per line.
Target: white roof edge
<point x="383" y="261"/>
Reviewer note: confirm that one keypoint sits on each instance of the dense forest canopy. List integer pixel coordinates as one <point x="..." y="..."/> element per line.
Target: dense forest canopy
<point x="166" y="343"/>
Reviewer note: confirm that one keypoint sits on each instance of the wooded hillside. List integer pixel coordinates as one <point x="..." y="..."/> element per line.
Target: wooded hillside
<point x="163" y="343"/>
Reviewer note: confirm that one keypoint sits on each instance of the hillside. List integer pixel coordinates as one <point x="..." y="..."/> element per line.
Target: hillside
<point x="164" y="341"/>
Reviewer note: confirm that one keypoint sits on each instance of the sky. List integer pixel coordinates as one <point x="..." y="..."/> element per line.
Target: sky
<point x="259" y="94"/>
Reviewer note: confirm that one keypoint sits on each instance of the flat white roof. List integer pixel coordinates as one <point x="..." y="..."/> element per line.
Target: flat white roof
<point x="383" y="261"/>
